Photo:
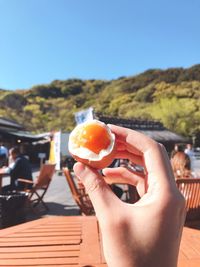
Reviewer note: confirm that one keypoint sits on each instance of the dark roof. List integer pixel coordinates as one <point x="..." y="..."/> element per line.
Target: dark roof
<point x="153" y="129"/>
<point x="23" y="135"/>
<point x="9" y="124"/>
<point x="27" y="135"/>
<point x="12" y="129"/>
<point x="164" y="136"/>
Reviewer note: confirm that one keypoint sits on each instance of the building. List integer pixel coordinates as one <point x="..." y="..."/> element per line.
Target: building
<point x="153" y="129"/>
<point x="12" y="134"/>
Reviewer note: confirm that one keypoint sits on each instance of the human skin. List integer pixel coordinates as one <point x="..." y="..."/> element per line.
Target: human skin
<point x="148" y="232"/>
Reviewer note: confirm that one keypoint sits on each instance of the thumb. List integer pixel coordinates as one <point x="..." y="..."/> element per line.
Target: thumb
<point x="99" y="192"/>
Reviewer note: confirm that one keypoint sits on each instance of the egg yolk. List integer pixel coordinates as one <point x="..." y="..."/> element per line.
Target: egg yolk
<point x="93" y="137"/>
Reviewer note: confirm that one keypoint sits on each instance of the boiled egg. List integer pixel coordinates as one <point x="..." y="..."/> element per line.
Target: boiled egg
<point x="92" y="143"/>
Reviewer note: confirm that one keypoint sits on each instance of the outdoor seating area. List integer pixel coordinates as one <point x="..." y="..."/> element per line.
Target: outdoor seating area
<point x="53" y="241"/>
<point x="67" y="241"/>
<point x="55" y="233"/>
<point x="99" y="134"/>
<point x="78" y="193"/>
<point x="39" y="186"/>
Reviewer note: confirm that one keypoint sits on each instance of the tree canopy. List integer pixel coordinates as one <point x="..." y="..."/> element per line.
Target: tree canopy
<point x="170" y="96"/>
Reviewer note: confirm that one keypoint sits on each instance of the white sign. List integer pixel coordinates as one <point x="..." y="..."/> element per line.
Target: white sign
<point x="56" y="138"/>
<point x="64" y="139"/>
<point x="41" y="155"/>
<point x="84" y="115"/>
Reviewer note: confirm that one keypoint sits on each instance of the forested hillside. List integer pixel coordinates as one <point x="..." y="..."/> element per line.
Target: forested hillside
<point x="170" y="96"/>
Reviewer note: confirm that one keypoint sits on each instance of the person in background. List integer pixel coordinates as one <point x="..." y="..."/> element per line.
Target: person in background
<point x="175" y="150"/>
<point x="19" y="167"/>
<point x="189" y="150"/>
<point x="181" y="165"/>
<point x="147" y="233"/>
<point x="3" y="155"/>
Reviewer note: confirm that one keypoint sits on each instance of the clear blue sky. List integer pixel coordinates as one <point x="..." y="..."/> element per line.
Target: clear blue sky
<point x="44" y="40"/>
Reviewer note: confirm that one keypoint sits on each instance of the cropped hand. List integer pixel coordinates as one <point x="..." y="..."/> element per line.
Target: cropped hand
<point x="148" y="232"/>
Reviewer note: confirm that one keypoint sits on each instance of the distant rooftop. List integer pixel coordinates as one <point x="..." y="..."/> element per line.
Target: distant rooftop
<point x="12" y="129"/>
<point x="7" y="123"/>
<point x="153" y="129"/>
<point x="131" y="123"/>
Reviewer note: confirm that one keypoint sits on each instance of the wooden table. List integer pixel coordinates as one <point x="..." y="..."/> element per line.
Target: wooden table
<point x="52" y="241"/>
<point x="71" y="241"/>
<point x="189" y="254"/>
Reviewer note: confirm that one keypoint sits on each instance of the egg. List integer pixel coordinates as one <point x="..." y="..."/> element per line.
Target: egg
<point x="92" y="143"/>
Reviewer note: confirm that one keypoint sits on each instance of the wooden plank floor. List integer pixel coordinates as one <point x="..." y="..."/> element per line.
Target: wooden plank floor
<point x="189" y="254"/>
<point x="71" y="241"/>
<point x="52" y="241"/>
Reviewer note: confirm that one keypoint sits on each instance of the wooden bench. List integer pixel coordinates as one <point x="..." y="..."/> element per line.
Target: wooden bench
<point x="190" y="189"/>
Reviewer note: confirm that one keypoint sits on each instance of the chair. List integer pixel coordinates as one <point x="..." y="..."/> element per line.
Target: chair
<point x="190" y="189"/>
<point x="40" y="185"/>
<point x="78" y="192"/>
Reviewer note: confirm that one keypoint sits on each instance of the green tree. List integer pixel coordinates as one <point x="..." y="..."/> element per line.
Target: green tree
<point x="176" y="114"/>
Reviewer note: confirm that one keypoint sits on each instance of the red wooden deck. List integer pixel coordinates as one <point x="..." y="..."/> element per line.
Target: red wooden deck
<point x="189" y="254"/>
<point x="71" y="241"/>
<point x="52" y="241"/>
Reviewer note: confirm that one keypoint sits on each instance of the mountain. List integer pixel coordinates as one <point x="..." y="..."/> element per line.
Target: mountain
<point x="170" y="96"/>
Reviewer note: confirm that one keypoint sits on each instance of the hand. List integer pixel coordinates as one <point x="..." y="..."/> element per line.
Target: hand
<point x="147" y="233"/>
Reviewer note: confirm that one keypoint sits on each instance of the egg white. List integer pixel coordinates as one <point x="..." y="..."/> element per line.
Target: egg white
<point x="85" y="153"/>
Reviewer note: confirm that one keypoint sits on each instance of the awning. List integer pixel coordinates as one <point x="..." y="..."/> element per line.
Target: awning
<point x="24" y="135"/>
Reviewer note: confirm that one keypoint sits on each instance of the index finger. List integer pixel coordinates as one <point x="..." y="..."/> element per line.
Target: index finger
<point x="157" y="164"/>
<point x="131" y="137"/>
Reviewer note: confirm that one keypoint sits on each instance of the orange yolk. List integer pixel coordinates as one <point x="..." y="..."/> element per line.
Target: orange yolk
<point x="93" y="137"/>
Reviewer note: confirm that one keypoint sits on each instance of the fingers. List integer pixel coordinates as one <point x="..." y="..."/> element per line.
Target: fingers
<point x="158" y="164"/>
<point x="155" y="157"/>
<point x="123" y="175"/>
<point x="123" y="146"/>
<point x="138" y="160"/>
<point x="99" y="192"/>
<point x="132" y="139"/>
